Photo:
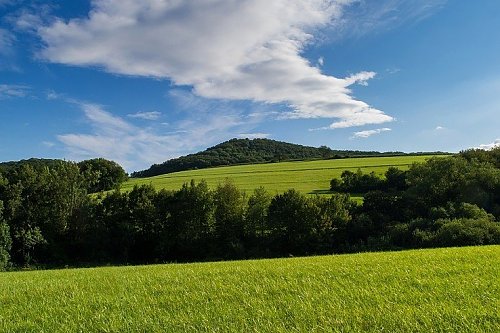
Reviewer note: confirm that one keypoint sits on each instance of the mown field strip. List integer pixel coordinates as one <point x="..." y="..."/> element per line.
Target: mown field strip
<point x="438" y="290"/>
<point x="304" y="176"/>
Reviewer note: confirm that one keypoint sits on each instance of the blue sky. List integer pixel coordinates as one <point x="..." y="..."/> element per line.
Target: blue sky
<point x="142" y="82"/>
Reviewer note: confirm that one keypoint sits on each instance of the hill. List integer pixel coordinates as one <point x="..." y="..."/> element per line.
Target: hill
<point x="247" y="151"/>
<point x="304" y="176"/>
<point x="438" y="290"/>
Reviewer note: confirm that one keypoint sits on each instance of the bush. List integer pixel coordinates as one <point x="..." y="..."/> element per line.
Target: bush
<point x="462" y="232"/>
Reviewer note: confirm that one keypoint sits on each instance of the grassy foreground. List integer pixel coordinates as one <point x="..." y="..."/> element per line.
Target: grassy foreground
<point x="441" y="290"/>
<point x="304" y="176"/>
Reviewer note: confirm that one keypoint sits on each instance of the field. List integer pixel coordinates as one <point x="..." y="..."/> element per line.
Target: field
<point x="438" y="290"/>
<point x="305" y="176"/>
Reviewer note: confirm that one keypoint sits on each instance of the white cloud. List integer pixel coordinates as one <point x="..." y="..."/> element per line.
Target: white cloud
<point x="368" y="17"/>
<point x="439" y="128"/>
<point x="12" y="90"/>
<point x="321" y="61"/>
<point x="225" y="49"/>
<point x="136" y="147"/>
<point x="254" y="135"/>
<point x="490" y="146"/>
<point x="113" y="138"/>
<point x="366" y="134"/>
<point x="6" y="42"/>
<point x="152" y="115"/>
<point x="48" y="144"/>
<point x="393" y="70"/>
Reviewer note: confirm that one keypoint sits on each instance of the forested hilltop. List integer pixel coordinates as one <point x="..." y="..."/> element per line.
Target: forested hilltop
<point x="247" y="151"/>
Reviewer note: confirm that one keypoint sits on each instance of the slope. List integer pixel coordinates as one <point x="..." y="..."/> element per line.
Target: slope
<point x="438" y="290"/>
<point x="246" y="151"/>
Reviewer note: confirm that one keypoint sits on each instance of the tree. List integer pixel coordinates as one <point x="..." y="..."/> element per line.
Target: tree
<point x="332" y="221"/>
<point x="292" y="218"/>
<point x="5" y="240"/>
<point x="325" y="152"/>
<point x="191" y="222"/>
<point x="395" y="179"/>
<point x="463" y="232"/>
<point x="143" y="222"/>
<point x="228" y="202"/>
<point x="256" y="225"/>
<point x="102" y="174"/>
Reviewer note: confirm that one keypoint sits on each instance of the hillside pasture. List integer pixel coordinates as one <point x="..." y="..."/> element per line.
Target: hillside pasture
<point x="437" y="290"/>
<point x="312" y="177"/>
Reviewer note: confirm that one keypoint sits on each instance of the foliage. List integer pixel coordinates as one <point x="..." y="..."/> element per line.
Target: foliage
<point x="359" y="182"/>
<point x="466" y="231"/>
<point x="5" y="240"/>
<point x="102" y="174"/>
<point x="50" y="220"/>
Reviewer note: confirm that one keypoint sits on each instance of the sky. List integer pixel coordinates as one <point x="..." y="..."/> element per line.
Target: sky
<point x="140" y="82"/>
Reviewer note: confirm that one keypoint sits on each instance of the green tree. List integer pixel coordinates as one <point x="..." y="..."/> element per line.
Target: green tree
<point x="395" y="179"/>
<point x="5" y="240"/>
<point x="256" y="225"/>
<point x="143" y="220"/>
<point x="229" y="209"/>
<point x="102" y="174"/>
<point x="191" y="221"/>
<point x="292" y="218"/>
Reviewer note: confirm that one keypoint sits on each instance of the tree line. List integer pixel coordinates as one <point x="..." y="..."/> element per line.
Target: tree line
<point x="48" y="218"/>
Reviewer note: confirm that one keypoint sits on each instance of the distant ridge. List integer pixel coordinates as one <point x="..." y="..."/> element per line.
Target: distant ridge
<point x="251" y="151"/>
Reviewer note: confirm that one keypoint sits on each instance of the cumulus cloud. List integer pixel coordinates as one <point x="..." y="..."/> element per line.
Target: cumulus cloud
<point x="368" y="133"/>
<point x="224" y="49"/>
<point x="489" y="146"/>
<point x="12" y="90"/>
<point x="152" y="115"/>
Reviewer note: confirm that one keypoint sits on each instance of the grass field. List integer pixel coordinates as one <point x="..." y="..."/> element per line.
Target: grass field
<point x="304" y="176"/>
<point x="439" y="290"/>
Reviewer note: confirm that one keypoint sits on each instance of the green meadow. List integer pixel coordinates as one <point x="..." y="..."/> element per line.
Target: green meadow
<point x="305" y="176"/>
<point x="437" y="290"/>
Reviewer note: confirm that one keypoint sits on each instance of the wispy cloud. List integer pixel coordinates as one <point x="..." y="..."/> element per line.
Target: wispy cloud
<point x="152" y="115"/>
<point x="13" y="90"/>
<point x="137" y="147"/>
<point x="7" y="2"/>
<point x="6" y="42"/>
<point x="114" y="138"/>
<point x="368" y="133"/>
<point x="254" y="135"/>
<point x="368" y="17"/>
<point x="439" y="128"/>
<point x="7" y="50"/>
<point x="233" y="50"/>
<point x="489" y="146"/>
<point x="52" y="95"/>
<point x="48" y="144"/>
